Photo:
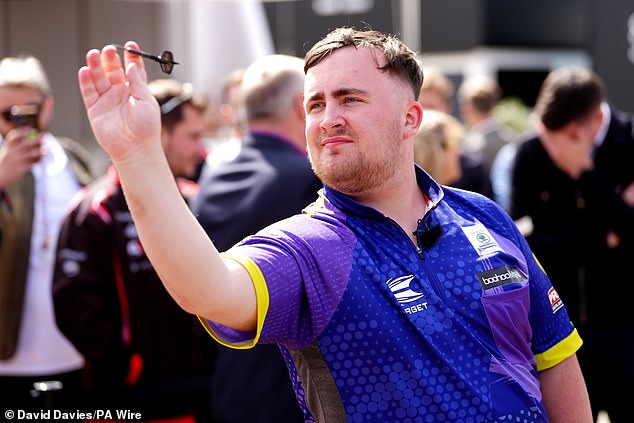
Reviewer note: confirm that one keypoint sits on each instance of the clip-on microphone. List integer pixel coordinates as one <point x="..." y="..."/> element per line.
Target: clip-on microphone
<point x="427" y="236"/>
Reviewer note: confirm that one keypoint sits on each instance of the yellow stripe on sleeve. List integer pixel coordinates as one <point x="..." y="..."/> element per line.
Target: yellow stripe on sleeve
<point x="559" y="352"/>
<point x="262" y="299"/>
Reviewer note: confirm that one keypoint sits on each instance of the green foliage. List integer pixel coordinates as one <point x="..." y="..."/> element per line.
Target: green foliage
<point x="512" y="112"/>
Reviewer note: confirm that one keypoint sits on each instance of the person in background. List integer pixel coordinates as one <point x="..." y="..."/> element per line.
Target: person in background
<point x="574" y="180"/>
<point x="437" y="90"/>
<point x="229" y="110"/>
<point x="437" y="93"/>
<point x="390" y="296"/>
<point x="514" y="114"/>
<point x="230" y="128"/>
<point x="477" y="97"/>
<point x="269" y="180"/>
<point x="437" y="146"/>
<point x="142" y="351"/>
<point x="39" y="174"/>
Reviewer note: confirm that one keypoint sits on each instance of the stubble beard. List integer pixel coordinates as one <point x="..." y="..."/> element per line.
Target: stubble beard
<point x="352" y="172"/>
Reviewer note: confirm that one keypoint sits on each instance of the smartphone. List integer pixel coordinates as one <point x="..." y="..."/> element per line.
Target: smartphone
<point x="26" y="115"/>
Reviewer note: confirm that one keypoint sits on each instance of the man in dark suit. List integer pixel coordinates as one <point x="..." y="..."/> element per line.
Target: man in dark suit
<point x="575" y="182"/>
<point x="269" y="180"/>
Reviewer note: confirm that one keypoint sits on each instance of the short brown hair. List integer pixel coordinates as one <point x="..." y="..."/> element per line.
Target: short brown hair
<point x="401" y="61"/>
<point x="568" y="94"/>
<point x="482" y="92"/>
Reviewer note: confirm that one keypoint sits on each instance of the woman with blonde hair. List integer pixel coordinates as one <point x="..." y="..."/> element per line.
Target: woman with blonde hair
<point x="437" y="146"/>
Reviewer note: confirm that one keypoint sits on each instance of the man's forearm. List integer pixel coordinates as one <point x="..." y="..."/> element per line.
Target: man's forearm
<point x="180" y="251"/>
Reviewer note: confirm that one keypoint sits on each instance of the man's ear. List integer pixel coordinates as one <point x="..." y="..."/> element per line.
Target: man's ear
<point x="413" y="119"/>
<point x="597" y="119"/>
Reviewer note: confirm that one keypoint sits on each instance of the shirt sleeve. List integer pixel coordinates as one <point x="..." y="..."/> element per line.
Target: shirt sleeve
<point x="300" y="268"/>
<point x="554" y="336"/>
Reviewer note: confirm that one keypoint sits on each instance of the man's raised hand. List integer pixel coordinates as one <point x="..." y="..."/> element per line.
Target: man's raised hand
<point x="123" y="114"/>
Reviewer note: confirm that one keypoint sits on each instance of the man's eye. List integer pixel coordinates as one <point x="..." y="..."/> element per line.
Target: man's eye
<point x="315" y="106"/>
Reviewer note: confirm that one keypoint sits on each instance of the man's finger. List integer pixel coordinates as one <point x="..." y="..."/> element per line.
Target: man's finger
<point x="97" y="73"/>
<point x="111" y="63"/>
<point x="137" y="82"/>
<point x="135" y="71"/>
<point x="88" y="76"/>
<point x="133" y="58"/>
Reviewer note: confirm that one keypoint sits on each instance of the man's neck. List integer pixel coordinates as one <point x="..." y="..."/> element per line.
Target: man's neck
<point x="400" y="199"/>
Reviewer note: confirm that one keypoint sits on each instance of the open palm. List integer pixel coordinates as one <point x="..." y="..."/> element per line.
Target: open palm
<point x="123" y="114"/>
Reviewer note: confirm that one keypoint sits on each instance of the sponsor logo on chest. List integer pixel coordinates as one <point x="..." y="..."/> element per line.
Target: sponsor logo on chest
<point x="500" y="276"/>
<point x="405" y="295"/>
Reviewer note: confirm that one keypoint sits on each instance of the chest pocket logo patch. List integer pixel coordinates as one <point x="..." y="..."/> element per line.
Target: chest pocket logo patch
<point x="481" y="239"/>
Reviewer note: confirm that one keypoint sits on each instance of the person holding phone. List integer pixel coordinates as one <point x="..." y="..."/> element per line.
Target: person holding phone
<point x="39" y="174"/>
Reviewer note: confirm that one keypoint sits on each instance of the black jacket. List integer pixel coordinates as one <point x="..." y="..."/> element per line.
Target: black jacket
<point x="142" y="351"/>
<point x="268" y="181"/>
<point x="572" y="220"/>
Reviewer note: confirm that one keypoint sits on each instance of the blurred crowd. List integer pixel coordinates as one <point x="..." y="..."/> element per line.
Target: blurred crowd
<point x="85" y="319"/>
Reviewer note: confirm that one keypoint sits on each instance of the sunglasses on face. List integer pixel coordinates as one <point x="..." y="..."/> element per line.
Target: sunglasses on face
<point x="165" y="60"/>
<point x="22" y="115"/>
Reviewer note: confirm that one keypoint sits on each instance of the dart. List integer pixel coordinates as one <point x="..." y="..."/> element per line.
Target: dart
<point x="165" y="60"/>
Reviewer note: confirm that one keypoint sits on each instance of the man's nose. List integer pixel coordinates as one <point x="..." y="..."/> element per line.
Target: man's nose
<point x="332" y="118"/>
